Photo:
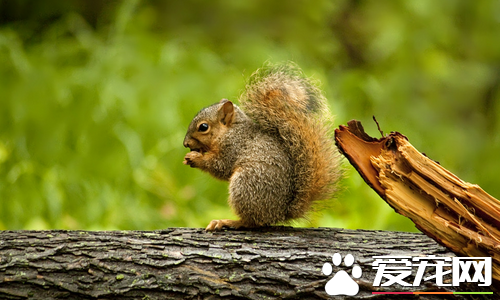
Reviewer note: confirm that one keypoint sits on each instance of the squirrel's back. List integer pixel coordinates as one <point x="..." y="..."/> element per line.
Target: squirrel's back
<point x="287" y="105"/>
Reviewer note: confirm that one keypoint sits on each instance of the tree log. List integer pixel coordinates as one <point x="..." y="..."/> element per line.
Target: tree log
<point x="186" y="263"/>
<point x="457" y="214"/>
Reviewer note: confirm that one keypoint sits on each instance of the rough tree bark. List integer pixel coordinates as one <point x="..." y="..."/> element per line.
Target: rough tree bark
<point x="186" y="263"/>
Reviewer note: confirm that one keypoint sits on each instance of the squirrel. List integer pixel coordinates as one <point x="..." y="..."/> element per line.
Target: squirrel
<point x="276" y="150"/>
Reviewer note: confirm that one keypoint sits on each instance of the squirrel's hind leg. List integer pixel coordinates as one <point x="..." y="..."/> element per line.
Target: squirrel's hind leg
<point x="216" y="225"/>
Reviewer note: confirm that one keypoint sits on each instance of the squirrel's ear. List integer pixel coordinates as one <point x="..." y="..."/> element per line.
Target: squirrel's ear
<point x="226" y="113"/>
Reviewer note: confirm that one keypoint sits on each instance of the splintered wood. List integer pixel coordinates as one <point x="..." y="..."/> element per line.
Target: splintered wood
<point x="459" y="215"/>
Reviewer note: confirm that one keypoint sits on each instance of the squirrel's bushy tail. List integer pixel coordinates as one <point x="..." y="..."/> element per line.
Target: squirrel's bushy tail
<point x="288" y="105"/>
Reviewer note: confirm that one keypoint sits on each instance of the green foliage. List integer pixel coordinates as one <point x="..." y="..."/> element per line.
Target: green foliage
<point x="93" y="115"/>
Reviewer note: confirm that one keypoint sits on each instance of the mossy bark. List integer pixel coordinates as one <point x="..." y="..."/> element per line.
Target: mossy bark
<point x="187" y="263"/>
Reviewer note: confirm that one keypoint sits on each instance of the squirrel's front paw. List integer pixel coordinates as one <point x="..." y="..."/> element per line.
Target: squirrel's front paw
<point x="191" y="158"/>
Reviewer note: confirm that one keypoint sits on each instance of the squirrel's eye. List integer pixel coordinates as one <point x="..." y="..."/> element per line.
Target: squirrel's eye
<point x="203" y="127"/>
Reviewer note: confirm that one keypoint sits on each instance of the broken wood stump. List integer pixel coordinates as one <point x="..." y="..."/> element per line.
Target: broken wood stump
<point x="459" y="215"/>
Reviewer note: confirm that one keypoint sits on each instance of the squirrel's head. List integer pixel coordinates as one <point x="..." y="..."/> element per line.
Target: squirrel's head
<point x="209" y="125"/>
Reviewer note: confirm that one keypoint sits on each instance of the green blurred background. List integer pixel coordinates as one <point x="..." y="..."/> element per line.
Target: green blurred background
<point x="96" y="96"/>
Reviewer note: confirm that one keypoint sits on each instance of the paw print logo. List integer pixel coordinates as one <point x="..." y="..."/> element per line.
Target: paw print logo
<point x="342" y="283"/>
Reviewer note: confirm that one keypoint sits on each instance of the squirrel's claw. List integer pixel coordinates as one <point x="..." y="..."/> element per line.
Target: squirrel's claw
<point x="191" y="158"/>
<point x="214" y="225"/>
<point x="217" y="225"/>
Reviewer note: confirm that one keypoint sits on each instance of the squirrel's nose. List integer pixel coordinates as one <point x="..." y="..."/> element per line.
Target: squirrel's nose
<point x="191" y="143"/>
<point x="188" y="142"/>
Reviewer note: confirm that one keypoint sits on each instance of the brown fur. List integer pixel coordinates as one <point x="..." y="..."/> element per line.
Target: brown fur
<point x="277" y="151"/>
